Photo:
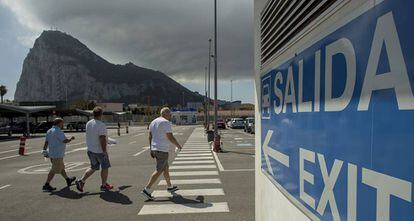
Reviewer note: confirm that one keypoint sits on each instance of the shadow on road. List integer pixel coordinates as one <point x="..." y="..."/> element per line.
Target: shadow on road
<point x="109" y="196"/>
<point x="178" y="199"/>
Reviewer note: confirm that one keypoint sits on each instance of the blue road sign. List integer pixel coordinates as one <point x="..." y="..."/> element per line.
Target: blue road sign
<point x="338" y="119"/>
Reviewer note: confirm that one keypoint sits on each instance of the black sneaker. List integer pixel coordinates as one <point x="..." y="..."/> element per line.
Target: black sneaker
<point x="79" y="185"/>
<point x="172" y="189"/>
<point x="70" y="180"/>
<point x="147" y="194"/>
<point x="48" y="188"/>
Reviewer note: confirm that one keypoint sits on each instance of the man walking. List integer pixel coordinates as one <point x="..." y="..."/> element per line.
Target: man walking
<point x="54" y="148"/>
<point x="160" y="137"/>
<point x="96" y="143"/>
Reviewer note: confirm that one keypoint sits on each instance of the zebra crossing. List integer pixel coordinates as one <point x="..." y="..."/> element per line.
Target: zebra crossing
<point x="196" y="173"/>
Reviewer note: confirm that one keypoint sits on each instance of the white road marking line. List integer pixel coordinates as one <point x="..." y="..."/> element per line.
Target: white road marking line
<point x="191" y="181"/>
<point x="194" y="158"/>
<point x="238" y="170"/>
<point x="184" y="208"/>
<point x="14" y="156"/>
<point x="132" y="142"/>
<point x="75" y="144"/>
<point x="245" y="145"/>
<point x="194" y="162"/>
<point x="16" y="150"/>
<point x="5" y="186"/>
<point x="220" y="166"/>
<point x="238" y="138"/>
<point x="193" y="154"/>
<point x="139" y="134"/>
<point x="195" y="151"/>
<point x="194" y="173"/>
<point x="190" y="192"/>
<point x="193" y="167"/>
<point x="76" y="150"/>
<point x="142" y="151"/>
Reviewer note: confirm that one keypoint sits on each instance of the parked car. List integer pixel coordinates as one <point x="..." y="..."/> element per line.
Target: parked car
<point x="248" y="124"/>
<point x="43" y="127"/>
<point x="221" y="124"/>
<point x="21" y="127"/>
<point x="237" y="123"/>
<point x="78" y="126"/>
<point x="5" y="129"/>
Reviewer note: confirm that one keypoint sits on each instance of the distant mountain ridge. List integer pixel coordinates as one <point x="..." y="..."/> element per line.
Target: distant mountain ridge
<point x="59" y="66"/>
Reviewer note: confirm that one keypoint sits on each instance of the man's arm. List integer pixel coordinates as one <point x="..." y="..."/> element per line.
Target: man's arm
<point x="172" y="139"/>
<point x="66" y="140"/>
<point x="102" y="140"/>
<point x="45" y="146"/>
<point x="150" y="138"/>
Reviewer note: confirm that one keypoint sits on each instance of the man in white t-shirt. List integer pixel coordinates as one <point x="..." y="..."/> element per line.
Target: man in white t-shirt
<point x="96" y="143"/>
<point x="160" y="137"/>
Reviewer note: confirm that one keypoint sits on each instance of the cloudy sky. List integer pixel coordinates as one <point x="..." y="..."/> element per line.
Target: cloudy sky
<point x="166" y="35"/>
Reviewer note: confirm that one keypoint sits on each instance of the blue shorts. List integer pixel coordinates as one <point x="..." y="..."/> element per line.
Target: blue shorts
<point x="98" y="160"/>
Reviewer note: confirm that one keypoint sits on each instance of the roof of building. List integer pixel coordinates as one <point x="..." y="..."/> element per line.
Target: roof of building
<point x="7" y="108"/>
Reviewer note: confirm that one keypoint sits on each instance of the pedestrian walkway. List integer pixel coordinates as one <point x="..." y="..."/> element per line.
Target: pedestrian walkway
<point x="195" y="172"/>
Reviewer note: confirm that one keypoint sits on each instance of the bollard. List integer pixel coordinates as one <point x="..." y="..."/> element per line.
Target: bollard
<point x="217" y="144"/>
<point x="22" y="145"/>
<point x="126" y="128"/>
<point x="119" y="131"/>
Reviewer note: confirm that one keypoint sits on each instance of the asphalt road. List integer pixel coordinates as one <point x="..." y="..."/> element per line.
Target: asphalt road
<point x="212" y="186"/>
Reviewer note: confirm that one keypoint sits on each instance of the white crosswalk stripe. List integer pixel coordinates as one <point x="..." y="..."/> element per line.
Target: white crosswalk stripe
<point x="194" y="173"/>
<point x="193" y="162"/>
<point x="190" y="167"/>
<point x="184" y="208"/>
<point x="194" y="154"/>
<point x="192" y="192"/>
<point x="191" y="181"/>
<point x="193" y="166"/>
<point x="194" y="158"/>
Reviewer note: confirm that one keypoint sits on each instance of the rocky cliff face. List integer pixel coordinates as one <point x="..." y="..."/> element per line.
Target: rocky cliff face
<point x="60" y="66"/>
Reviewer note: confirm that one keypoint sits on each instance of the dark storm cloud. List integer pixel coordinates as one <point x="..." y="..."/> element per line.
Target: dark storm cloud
<point x="167" y="35"/>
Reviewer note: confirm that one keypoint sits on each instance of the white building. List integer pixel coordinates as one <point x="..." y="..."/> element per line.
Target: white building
<point x="184" y="117"/>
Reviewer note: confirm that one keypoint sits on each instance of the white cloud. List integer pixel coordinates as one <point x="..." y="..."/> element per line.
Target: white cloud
<point x="170" y="36"/>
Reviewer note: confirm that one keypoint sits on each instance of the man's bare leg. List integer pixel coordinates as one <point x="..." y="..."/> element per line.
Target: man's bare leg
<point x="63" y="173"/>
<point x="87" y="174"/>
<point x="153" y="178"/>
<point x="50" y="176"/>
<point x="104" y="176"/>
<point x="167" y="176"/>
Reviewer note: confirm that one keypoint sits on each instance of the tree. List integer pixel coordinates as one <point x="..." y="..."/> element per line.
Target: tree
<point x="3" y="91"/>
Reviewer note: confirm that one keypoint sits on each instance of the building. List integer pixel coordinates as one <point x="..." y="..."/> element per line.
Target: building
<point x="184" y="116"/>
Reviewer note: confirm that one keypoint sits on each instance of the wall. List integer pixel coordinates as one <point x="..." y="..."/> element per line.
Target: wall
<point x="271" y="203"/>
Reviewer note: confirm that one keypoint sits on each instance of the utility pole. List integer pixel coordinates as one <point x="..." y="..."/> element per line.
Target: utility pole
<point x="231" y="98"/>
<point x="216" y="136"/>
<point x="205" y="98"/>
<point x="209" y="78"/>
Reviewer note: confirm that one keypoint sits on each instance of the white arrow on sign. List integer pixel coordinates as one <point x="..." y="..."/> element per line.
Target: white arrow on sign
<point x="268" y="151"/>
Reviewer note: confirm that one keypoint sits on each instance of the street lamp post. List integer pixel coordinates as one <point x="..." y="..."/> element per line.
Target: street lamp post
<point x="209" y="87"/>
<point x="216" y="136"/>
<point x="231" y="98"/>
<point x="205" y="98"/>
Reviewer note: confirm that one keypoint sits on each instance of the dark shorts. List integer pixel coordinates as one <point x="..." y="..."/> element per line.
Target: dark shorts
<point x="98" y="160"/>
<point x="162" y="160"/>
